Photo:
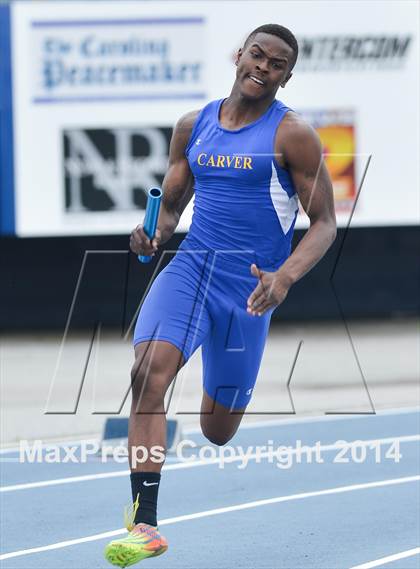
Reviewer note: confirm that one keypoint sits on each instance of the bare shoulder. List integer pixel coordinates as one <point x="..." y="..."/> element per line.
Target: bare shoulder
<point x="188" y="120"/>
<point x="181" y="135"/>
<point x="297" y="140"/>
<point x="295" y="129"/>
<point x="185" y="124"/>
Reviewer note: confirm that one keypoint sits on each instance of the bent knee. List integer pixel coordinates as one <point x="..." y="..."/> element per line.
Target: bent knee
<point x="216" y="438"/>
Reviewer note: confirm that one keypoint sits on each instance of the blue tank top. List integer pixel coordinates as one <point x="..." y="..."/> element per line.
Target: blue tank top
<point x="244" y="201"/>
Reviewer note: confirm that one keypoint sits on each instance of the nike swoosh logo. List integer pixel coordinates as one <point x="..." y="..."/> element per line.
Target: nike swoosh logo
<point x="150" y="483"/>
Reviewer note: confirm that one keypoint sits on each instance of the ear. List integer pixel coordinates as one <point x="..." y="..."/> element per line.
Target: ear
<point x="283" y="84"/>
<point x="238" y="56"/>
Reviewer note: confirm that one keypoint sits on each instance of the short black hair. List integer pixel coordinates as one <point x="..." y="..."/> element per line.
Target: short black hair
<point x="281" y="32"/>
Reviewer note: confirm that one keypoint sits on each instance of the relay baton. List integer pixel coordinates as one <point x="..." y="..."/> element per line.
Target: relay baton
<point x="154" y="197"/>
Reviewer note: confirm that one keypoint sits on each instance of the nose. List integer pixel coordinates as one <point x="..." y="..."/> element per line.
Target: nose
<point x="262" y="66"/>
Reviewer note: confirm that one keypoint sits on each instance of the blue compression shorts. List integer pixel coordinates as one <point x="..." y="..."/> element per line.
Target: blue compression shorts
<point x="200" y="299"/>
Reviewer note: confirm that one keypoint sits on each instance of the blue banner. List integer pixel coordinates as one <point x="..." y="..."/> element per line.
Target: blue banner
<point x="7" y="202"/>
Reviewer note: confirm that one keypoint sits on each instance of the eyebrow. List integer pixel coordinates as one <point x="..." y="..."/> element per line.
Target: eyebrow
<point x="271" y="58"/>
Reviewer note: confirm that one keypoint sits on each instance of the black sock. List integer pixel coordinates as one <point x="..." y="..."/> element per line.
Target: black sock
<point x="146" y="484"/>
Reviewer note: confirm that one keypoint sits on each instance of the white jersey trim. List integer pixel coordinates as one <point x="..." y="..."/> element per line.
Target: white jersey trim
<point x="286" y="207"/>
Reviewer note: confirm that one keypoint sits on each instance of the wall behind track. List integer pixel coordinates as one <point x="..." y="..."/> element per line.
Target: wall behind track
<point x="377" y="275"/>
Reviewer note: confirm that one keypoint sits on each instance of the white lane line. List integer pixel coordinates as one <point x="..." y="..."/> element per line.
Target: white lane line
<point x="54" y="442"/>
<point x="206" y="462"/>
<point x="249" y="425"/>
<point x="69" y="480"/>
<point x="388" y="559"/>
<point x="314" y="419"/>
<point x="217" y="511"/>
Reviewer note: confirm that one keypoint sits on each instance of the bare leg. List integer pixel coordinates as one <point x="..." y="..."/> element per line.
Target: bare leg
<point x="218" y="423"/>
<point x="155" y="366"/>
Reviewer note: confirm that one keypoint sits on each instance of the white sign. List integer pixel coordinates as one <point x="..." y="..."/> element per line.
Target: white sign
<point x="90" y="72"/>
<point x="116" y="59"/>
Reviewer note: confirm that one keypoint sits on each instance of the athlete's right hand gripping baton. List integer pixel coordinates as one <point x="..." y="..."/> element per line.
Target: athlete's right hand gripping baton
<point x="154" y="197"/>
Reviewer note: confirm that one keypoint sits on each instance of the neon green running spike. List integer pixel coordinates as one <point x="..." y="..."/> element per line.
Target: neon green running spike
<point x="141" y="542"/>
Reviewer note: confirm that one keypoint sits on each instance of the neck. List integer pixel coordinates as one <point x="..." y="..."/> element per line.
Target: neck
<point x="238" y="110"/>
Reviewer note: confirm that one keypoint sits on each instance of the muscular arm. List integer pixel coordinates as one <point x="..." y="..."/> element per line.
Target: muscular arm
<point x="302" y="156"/>
<point x="178" y="182"/>
<point x="299" y="151"/>
<point x="177" y="190"/>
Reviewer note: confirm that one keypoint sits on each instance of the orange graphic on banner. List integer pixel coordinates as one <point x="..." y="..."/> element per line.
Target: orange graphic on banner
<point x="339" y="148"/>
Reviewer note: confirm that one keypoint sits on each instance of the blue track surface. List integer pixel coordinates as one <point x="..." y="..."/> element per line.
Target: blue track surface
<point x="338" y="529"/>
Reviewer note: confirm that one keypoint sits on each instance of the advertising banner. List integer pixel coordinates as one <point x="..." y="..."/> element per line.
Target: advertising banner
<point x="116" y="59"/>
<point x="336" y="130"/>
<point x="112" y="169"/>
<point x="99" y="86"/>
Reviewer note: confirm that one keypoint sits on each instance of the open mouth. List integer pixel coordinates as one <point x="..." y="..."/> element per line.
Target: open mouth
<point x="256" y="80"/>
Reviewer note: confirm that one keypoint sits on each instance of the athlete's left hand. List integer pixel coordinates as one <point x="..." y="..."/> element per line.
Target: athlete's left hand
<point x="269" y="292"/>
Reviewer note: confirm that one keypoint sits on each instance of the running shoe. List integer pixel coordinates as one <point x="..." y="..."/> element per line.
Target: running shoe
<point x="142" y="541"/>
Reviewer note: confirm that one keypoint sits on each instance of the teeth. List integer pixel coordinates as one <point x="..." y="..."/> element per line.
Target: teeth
<point x="256" y="80"/>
